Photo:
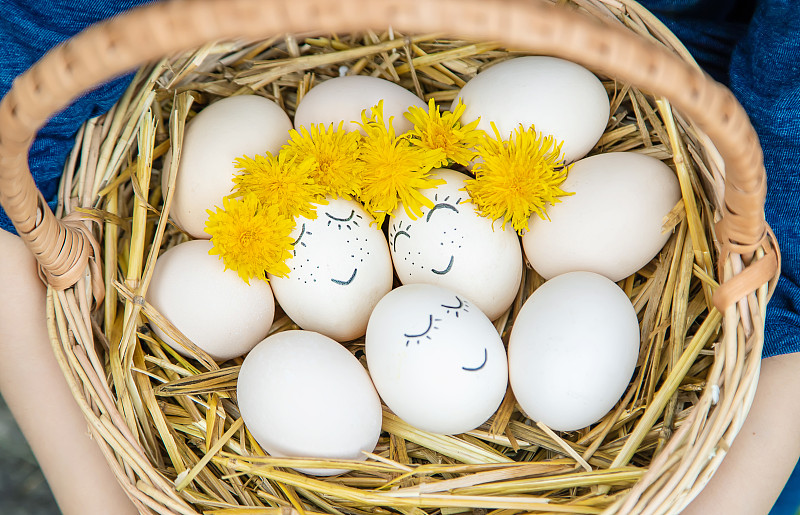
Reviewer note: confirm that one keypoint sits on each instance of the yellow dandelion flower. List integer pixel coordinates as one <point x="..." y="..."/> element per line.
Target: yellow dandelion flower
<point x="394" y="169"/>
<point x="279" y="181"/>
<point x="517" y="178"/>
<point x="444" y="131"/>
<point x="332" y="155"/>
<point x="250" y="238"/>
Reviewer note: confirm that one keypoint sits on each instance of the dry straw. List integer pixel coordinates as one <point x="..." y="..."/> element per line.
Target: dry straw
<point x="170" y="425"/>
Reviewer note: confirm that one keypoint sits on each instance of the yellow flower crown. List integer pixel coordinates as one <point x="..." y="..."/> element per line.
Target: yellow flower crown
<point x="513" y="179"/>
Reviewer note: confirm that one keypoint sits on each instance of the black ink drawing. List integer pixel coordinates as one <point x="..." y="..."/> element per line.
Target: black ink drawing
<point x="431" y="326"/>
<point x="485" y="359"/>
<point x="461" y="306"/>
<point x="348" y="222"/>
<point x="345" y="283"/>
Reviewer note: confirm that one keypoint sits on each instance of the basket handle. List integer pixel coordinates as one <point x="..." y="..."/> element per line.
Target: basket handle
<point x="120" y="44"/>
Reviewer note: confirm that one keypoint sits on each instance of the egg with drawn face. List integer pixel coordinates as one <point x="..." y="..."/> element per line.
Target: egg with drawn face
<point x="339" y="269"/>
<point x="436" y="360"/>
<point x="452" y="246"/>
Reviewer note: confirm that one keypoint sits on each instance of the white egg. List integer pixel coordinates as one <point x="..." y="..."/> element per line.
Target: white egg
<point x="339" y="270"/>
<point x="436" y="360"/>
<point x="572" y="351"/>
<point x="211" y="306"/>
<point x="342" y="99"/>
<point x="301" y="394"/>
<point x="452" y="246"/>
<point x="222" y="132"/>
<point x="612" y="225"/>
<point x="559" y="97"/>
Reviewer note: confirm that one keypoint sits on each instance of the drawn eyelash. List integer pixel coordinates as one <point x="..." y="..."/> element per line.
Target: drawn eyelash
<point x="431" y="325"/>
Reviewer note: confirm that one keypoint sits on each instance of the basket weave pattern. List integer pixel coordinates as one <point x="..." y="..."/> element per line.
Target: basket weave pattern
<point x="170" y="427"/>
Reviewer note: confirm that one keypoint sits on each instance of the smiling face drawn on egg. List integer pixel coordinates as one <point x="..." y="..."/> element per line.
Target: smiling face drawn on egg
<point x="452" y="246"/>
<point x="439" y="229"/>
<point x="437" y="361"/>
<point x="449" y="309"/>
<point x="339" y="269"/>
<point x="308" y="270"/>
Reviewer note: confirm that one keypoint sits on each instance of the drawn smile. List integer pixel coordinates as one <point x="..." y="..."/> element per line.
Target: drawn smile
<point x="475" y="369"/>
<point x="345" y="283"/>
<point x="449" y="266"/>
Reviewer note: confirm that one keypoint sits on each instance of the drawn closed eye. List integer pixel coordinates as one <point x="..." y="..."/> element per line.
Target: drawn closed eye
<point x="398" y="234"/>
<point x="444" y="204"/>
<point x="303" y="232"/>
<point x="424" y="334"/>
<point x="348" y="222"/>
<point x="461" y="305"/>
<point x="440" y="206"/>
<point x="400" y="231"/>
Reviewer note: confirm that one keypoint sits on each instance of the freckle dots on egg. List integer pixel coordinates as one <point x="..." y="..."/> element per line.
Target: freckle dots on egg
<point x="452" y="246"/>
<point x="211" y="306"/>
<point x="558" y="97"/>
<point x="293" y="373"/>
<point x="339" y="269"/>
<point x="572" y="351"/>
<point x="612" y="225"/>
<point x="437" y="362"/>
<point x="219" y="134"/>
<point x="342" y="99"/>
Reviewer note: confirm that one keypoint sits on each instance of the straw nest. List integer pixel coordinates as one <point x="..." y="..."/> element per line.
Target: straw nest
<point x="170" y="425"/>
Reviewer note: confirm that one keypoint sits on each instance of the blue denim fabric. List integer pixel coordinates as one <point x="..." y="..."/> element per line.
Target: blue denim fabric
<point x="710" y="29"/>
<point x="765" y="76"/>
<point x="789" y="501"/>
<point x="28" y="29"/>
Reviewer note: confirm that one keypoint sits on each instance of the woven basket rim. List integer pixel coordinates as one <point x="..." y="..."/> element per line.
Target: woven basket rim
<point x="689" y="458"/>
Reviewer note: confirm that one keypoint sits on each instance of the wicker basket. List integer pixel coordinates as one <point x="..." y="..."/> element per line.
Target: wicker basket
<point x="170" y="428"/>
